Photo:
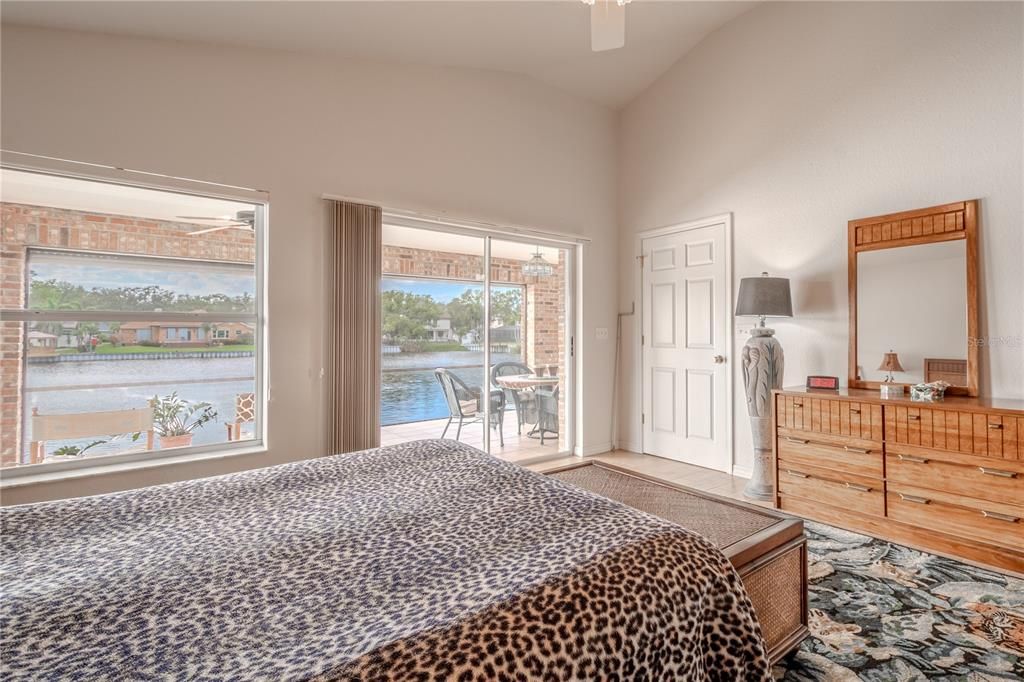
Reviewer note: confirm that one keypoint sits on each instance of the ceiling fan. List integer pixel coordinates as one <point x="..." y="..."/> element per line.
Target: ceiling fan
<point x="242" y="220"/>
<point x="607" y="24"/>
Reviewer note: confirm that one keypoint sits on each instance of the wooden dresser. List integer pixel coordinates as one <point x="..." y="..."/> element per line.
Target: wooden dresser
<point x="946" y="477"/>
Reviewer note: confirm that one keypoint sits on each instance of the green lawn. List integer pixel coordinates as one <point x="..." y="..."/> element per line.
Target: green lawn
<point x="109" y="349"/>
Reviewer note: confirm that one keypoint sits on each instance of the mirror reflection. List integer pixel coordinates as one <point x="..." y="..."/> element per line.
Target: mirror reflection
<point x="912" y="301"/>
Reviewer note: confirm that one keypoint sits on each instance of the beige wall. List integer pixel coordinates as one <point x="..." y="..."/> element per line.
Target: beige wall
<point x="475" y="144"/>
<point x="798" y="117"/>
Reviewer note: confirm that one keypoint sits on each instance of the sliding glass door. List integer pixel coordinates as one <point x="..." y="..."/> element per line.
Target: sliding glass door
<point x="476" y="340"/>
<point x="528" y="335"/>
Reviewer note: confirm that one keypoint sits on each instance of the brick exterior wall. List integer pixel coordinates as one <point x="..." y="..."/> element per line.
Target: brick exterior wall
<point x="23" y="227"/>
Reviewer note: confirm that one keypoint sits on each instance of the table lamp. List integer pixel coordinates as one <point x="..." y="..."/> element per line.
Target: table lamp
<point x="890" y="364"/>
<point x="762" y="362"/>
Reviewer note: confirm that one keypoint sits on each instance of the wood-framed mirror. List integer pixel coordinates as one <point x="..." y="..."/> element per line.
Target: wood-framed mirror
<point x="913" y="287"/>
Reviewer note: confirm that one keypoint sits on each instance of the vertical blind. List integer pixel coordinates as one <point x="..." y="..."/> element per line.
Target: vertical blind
<point x="353" y="419"/>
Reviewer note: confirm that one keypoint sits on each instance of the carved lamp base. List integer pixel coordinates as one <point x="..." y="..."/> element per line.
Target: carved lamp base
<point x="762" y="372"/>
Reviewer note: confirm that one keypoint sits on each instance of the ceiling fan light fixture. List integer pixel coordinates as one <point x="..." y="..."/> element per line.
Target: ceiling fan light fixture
<point x="242" y="220"/>
<point x="607" y="24"/>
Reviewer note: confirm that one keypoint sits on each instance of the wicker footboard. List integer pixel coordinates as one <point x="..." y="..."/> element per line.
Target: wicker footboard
<point x="777" y="585"/>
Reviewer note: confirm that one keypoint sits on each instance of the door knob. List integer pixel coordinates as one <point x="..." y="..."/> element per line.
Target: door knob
<point x="719" y="359"/>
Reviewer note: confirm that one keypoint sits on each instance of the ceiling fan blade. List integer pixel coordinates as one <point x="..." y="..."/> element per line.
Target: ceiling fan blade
<point x="607" y="25"/>
<point x="240" y="226"/>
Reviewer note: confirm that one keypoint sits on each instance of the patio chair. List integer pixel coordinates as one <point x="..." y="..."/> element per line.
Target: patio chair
<point x="245" y="413"/>
<point x="465" y="403"/>
<point x="525" y="402"/>
<point x="547" y="411"/>
<point x="86" y="424"/>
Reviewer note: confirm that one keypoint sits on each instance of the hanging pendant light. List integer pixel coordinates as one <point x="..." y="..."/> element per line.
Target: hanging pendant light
<point x="537" y="266"/>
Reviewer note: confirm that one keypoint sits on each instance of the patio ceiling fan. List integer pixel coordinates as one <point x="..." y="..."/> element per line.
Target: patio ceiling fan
<point x="242" y="220"/>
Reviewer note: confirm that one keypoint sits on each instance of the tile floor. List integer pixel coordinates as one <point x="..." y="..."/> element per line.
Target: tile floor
<point x="688" y="475"/>
<point x="523" y="449"/>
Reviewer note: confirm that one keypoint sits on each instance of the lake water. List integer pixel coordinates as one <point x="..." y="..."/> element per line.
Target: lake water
<point x="96" y="386"/>
<point x="409" y="391"/>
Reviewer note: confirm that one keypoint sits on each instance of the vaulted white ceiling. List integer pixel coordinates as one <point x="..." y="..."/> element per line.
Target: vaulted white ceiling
<point x="544" y="39"/>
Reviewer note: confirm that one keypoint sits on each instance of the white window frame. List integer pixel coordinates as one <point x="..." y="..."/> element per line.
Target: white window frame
<point x="21" y="474"/>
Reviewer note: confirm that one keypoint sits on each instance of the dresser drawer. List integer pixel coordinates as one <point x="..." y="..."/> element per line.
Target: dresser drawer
<point x="971" y="433"/>
<point x="968" y="476"/>
<point x="856" y="493"/>
<point x="857" y="457"/>
<point x="999" y="524"/>
<point x="829" y="416"/>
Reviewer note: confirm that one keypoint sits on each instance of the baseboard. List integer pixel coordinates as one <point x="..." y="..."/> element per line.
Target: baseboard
<point x="742" y="472"/>
<point x="631" y="447"/>
<point x="597" y="449"/>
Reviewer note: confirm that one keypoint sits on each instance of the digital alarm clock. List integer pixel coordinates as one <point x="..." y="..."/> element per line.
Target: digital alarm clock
<point x="823" y="383"/>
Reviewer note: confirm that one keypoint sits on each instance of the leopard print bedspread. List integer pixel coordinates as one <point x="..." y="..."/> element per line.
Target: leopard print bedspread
<point x="428" y="560"/>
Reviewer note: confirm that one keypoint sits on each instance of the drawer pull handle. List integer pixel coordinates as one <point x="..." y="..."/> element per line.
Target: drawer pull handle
<point x="801" y="441"/>
<point x="859" y="451"/>
<point x="913" y="417"/>
<point x="796" y="473"/>
<point x="997" y="472"/>
<point x="914" y="459"/>
<point x="854" y="410"/>
<point x="914" y="498"/>
<point x="858" y="486"/>
<point x="798" y="404"/>
<point x="1000" y="517"/>
<point x="995" y="426"/>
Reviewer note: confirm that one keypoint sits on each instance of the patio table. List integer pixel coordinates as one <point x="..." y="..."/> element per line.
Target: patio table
<point x="526" y="382"/>
<point x="520" y="382"/>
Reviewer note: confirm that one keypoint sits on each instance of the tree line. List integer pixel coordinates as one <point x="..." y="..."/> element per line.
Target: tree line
<point x="55" y="294"/>
<point x="409" y="316"/>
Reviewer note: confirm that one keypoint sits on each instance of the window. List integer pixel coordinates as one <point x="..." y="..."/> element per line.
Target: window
<point x="115" y="302"/>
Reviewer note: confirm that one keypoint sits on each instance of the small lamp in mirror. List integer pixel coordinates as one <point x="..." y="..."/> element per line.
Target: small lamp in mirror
<point x="890" y="364"/>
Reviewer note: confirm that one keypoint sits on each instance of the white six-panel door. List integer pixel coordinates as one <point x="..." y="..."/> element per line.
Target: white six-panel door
<point x="685" y="345"/>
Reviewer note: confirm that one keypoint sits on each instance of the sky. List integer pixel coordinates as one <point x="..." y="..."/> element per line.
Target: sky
<point x="441" y="291"/>
<point x="200" y="280"/>
<point x="191" y="279"/>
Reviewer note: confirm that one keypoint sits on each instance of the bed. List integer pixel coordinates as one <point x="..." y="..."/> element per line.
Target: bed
<point x="427" y="560"/>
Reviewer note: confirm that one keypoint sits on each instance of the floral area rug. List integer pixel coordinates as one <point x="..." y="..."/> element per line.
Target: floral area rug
<point x="886" y="613"/>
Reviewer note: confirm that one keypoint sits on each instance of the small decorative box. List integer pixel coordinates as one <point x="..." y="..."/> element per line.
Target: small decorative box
<point x="929" y="392"/>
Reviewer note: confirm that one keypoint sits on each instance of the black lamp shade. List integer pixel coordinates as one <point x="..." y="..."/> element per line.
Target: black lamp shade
<point x="768" y="296"/>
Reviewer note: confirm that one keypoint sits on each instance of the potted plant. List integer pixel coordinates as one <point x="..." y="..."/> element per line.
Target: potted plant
<point x="69" y="451"/>
<point x="175" y="419"/>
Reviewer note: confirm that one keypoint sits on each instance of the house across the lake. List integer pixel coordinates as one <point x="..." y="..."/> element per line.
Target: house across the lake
<point x="239" y="331"/>
<point x="169" y="334"/>
<point x="41" y="343"/>
<point x="184" y="333"/>
<point x="442" y="329"/>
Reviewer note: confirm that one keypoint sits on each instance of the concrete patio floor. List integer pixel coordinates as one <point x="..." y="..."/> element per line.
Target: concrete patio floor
<point x="517" y="448"/>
